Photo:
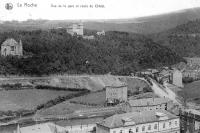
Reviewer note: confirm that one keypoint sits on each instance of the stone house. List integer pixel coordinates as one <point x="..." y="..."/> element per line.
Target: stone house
<point x="177" y="78"/>
<point x="116" y="93"/>
<point x="11" y="47"/>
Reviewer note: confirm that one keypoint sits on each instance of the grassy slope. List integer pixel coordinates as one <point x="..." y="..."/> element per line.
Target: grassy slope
<point x="92" y="98"/>
<point x="192" y="91"/>
<point x="61" y="109"/>
<point x="27" y="99"/>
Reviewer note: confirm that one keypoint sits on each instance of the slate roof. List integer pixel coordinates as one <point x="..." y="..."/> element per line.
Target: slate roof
<point x="117" y="120"/>
<point x="148" y="102"/>
<point x="43" y="128"/>
<point x="10" y="42"/>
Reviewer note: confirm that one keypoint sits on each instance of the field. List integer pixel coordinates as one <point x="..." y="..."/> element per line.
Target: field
<point x="95" y="98"/>
<point x="191" y="91"/>
<point x="61" y="109"/>
<point x="27" y="99"/>
<point x="78" y="103"/>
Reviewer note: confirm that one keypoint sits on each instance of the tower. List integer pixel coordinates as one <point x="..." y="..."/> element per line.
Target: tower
<point x="20" y="48"/>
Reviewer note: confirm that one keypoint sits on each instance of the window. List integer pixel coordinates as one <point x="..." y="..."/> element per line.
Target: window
<point x="149" y="127"/>
<point x="12" y="48"/>
<point x="143" y="128"/>
<point x="175" y="123"/>
<point x="137" y="129"/>
<point x="155" y="126"/>
<point x="163" y="125"/>
<point x="130" y="131"/>
<point x="170" y="123"/>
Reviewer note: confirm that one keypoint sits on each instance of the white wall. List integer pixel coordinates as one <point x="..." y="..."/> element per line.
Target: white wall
<point x="80" y="128"/>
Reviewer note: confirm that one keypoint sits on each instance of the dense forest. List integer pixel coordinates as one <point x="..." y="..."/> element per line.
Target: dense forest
<point x="183" y="39"/>
<point x="55" y="51"/>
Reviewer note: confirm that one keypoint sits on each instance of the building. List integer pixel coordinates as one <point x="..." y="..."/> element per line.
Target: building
<point x="177" y="78"/>
<point x="75" y="29"/>
<point x="192" y="61"/>
<point x="163" y="76"/>
<point x="191" y="74"/>
<point x="101" y="33"/>
<point x="89" y="37"/>
<point x="42" y="128"/>
<point x="84" y="128"/>
<point x="140" y="122"/>
<point x="116" y="94"/>
<point x="11" y="47"/>
<point x="147" y="104"/>
<point x="193" y="117"/>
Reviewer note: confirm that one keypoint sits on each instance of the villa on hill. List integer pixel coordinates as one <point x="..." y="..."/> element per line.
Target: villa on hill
<point x="11" y="47"/>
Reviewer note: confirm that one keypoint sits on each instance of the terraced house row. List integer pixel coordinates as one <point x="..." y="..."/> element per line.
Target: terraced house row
<point x="141" y="122"/>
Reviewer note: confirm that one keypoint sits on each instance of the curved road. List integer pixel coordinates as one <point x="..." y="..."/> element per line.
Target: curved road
<point x="162" y="91"/>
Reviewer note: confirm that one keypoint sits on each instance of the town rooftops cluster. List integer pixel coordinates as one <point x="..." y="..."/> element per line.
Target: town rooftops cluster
<point x="119" y="120"/>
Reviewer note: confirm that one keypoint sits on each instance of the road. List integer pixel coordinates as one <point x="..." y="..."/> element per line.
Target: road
<point x="161" y="91"/>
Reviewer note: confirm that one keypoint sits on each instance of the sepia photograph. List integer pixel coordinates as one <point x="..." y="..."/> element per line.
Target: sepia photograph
<point x="100" y="66"/>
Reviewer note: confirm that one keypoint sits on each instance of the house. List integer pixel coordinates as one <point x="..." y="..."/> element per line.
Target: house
<point x="192" y="61"/>
<point x="177" y="78"/>
<point x="42" y="128"/>
<point x="147" y="104"/>
<point x="140" y="122"/>
<point x="116" y="94"/>
<point x="101" y="33"/>
<point x="191" y="74"/>
<point x="82" y="128"/>
<point x="11" y="47"/>
<point x="190" y="119"/>
<point x="75" y="29"/>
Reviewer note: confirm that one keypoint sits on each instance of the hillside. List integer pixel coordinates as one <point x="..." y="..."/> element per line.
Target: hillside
<point x="55" y="51"/>
<point x="143" y="25"/>
<point x="183" y="39"/>
<point x="147" y="25"/>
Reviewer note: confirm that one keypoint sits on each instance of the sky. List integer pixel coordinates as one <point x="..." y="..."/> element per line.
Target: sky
<point x="86" y="9"/>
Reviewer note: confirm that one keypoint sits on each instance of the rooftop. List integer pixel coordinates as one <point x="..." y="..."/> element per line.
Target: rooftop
<point x="135" y="118"/>
<point x="43" y="128"/>
<point x="148" y="101"/>
<point x="9" y="42"/>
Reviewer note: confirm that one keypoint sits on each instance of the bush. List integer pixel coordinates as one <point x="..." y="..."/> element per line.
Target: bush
<point x="187" y="80"/>
<point x="61" y="99"/>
